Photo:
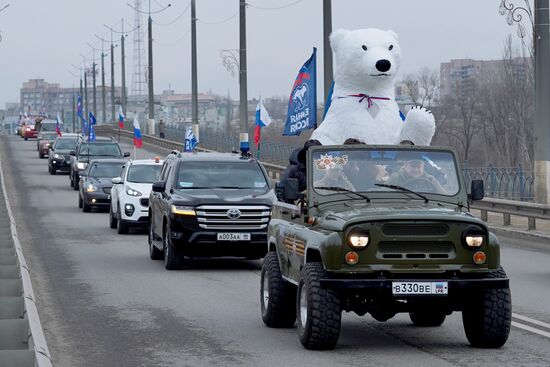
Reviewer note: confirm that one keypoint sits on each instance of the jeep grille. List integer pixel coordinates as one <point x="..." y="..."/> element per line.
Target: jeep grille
<point x="415" y="229"/>
<point x="416" y="250"/>
<point x="252" y="217"/>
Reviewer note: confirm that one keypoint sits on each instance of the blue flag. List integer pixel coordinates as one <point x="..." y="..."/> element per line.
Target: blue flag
<point x="79" y="106"/>
<point x="92" y="119"/>
<point x="302" y="105"/>
<point x="91" y="137"/>
<point x="190" y="140"/>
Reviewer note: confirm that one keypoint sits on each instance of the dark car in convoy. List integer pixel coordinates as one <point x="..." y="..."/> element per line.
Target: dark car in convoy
<point x="96" y="182"/>
<point x="101" y="148"/>
<point x="59" y="157"/>
<point x="209" y="205"/>
<point x="43" y="142"/>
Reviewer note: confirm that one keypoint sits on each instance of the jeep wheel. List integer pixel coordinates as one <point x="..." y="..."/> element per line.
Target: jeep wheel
<point x="122" y="225"/>
<point x="51" y="170"/>
<point x="112" y="218"/>
<point x="80" y="201"/>
<point x="277" y="296"/>
<point x="173" y="259"/>
<point x="319" y="314"/>
<point x="427" y="318"/>
<point x="488" y="315"/>
<point x="154" y="252"/>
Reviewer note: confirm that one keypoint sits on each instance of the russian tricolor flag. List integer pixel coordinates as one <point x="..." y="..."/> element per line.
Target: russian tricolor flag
<point x="58" y="123"/>
<point x="120" y="118"/>
<point x="262" y="120"/>
<point x="137" y="133"/>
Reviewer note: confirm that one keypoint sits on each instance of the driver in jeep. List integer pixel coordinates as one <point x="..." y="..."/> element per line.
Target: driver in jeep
<point x="412" y="176"/>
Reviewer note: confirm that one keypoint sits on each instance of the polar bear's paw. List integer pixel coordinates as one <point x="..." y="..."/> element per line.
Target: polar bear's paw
<point x="419" y="127"/>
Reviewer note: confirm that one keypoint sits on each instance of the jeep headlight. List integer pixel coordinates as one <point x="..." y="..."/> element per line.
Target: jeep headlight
<point x="183" y="210"/>
<point x="90" y="188"/>
<point x="474" y="241"/>
<point x="81" y="165"/>
<point x="358" y="239"/>
<point x="133" y="192"/>
<point x="58" y="156"/>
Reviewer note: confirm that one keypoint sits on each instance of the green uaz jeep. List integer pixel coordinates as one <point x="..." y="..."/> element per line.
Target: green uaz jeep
<point x="383" y="229"/>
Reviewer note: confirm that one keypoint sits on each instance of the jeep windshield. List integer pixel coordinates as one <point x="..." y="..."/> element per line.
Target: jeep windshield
<point x="221" y="175"/>
<point x="411" y="171"/>
<point x="65" y="144"/>
<point x="143" y="173"/>
<point x="103" y="150"/>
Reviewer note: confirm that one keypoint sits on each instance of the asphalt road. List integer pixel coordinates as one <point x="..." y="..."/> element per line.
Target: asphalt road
<point x="103" y="302"/>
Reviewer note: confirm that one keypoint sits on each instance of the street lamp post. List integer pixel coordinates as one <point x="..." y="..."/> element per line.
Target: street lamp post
<point x="242" y="68"/>
<point x="327" y="52"/>
<point x="194" y="88"/>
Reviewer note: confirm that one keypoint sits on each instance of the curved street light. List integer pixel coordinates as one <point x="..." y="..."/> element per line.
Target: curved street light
<point x="230" y="60"/>
<point x="514" y="14"/>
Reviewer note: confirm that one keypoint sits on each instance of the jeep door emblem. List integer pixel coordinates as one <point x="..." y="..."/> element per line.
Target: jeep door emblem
<point x="233" y="213"/>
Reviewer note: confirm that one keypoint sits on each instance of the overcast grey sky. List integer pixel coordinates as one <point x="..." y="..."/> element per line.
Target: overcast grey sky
<point x="41" y="39"/>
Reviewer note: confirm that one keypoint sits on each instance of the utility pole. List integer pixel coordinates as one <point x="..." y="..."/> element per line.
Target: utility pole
<point x="242" y="68"/>
<point x="151" y="124"/>
<point x="103" y="104"/>
<point x="541" y="38"/>
<point x="81" y="93"/>
<point x="194" y="92"/>
<point x="123" y="71"/>
<point x="112" y="80"/>
<point x="85" y="93"/>
<point x="74" y="113"/>
<point x="94" y="89"/>
<point x="327" y="52"/>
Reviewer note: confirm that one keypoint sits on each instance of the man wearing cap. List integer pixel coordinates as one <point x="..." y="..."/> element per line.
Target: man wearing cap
<point x="411" y="175"/>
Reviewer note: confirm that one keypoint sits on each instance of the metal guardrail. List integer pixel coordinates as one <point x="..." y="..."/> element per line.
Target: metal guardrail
<point x="507" y="208"/>
<point x="22" y="341"/>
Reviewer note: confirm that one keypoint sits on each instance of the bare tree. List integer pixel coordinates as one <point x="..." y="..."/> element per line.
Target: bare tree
<point x="411" y="87"/>
<point x="428" y="82"/>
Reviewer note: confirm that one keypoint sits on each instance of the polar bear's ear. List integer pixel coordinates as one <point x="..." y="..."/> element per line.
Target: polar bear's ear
<point x="394" y="35"/>
<point x="337" y="37"/>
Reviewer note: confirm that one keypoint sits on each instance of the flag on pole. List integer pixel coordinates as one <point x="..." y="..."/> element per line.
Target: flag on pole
<point x="92" y="119"/>
<point x="262" y="120"/>
<point x="302" y="105"/>
<point x="79" y="106"/>
<point x="58" y="123"/>
<point x="137" y="133"/>
<point x="91" y="137"/>
<point x="190" y="140"/>
<point x="120" y="118"/>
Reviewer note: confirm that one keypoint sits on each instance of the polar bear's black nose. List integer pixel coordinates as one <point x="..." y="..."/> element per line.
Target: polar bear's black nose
<point x="383" y="65"/>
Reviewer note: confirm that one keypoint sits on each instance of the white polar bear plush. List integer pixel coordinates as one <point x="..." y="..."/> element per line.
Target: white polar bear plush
<point x="363" y="106"/>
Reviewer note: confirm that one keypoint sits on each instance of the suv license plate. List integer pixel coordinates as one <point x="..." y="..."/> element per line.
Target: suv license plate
<point x="233" y="236"/>
<point x="419" y="288"/>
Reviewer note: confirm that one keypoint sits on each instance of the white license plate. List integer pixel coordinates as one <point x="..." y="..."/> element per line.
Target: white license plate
<point x="430" y="288"/>
<point x="233" y="236"/>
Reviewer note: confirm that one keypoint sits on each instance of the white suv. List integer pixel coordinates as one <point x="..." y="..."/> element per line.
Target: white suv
<point x="130" y="194"/>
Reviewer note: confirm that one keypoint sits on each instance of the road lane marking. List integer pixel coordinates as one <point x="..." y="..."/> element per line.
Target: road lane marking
<point x="530" y="320"/>
<point x="531" y="329"/>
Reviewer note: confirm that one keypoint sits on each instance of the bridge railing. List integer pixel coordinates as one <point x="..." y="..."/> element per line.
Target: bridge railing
<point x="497" y="183"/>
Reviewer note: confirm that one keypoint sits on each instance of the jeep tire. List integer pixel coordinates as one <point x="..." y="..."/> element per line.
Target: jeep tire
<point x="173" y="259"/>
<point x="75" y="180"/>
<point x="488" y="315"/>
<point x="277" y="296"/>
<point x="427" y="318"/>
<point x="112" y="218"/>
<point x="154" y="252"/>
<point x="122" y="226"/>
<point x="318" y="311"/>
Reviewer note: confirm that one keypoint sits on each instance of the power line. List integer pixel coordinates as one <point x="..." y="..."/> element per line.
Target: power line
<point x="168" y="44"/>
<point x="274" y="7"/>
<point x="176" y="18"/>
<point x="221" y="21"/>
<point x="150" y="12"/>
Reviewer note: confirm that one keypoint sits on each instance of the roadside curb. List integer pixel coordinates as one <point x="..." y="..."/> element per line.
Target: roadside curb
<point x="36" y="339"/>
<point x="524" y="235"/>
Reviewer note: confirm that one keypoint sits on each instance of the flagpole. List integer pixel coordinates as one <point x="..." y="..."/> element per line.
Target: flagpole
<point x="259" y="144"/>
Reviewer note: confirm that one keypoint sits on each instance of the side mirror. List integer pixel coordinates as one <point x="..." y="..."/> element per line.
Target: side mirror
<point x="159" y="186"/>
<point x="116" y="180"/>
<point x="72" y="152"/>
<point x="290" y="188"/>
<point x="477" y="191"/>
<point x="126" y="154"/>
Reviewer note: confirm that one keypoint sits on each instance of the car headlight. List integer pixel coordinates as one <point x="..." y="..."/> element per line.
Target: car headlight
<point x="81" y="165"/>
<point x="133" y="192"/>
<point x="474" y="241"/>
<point x="90" y="188"/>
<point x="183" y="210"/>
<point x="58" y="156"/>
<point x="358" y="239"/>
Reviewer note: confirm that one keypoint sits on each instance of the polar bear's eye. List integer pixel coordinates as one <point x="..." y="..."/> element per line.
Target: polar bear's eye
<point x="364" y="47"/>
<point x="390" y="48"/>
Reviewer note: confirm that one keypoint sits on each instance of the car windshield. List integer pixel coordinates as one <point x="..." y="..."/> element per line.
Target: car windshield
<point x="68" y="144"/>
<point x="229" y="175"/>
<point x="107" y="150"/>
<point x="47" y="127"/>
<point x="144" y="173"/>
<point x="103" y="169"/>
<point x="372" y="170"/>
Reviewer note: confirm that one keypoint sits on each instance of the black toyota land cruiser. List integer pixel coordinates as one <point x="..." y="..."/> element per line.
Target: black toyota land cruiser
<point x="209" y="205"/>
